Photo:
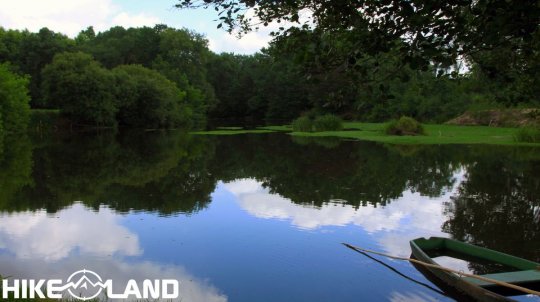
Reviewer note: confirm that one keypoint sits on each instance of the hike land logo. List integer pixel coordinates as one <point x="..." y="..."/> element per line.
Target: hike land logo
<point x="86" y="285"/>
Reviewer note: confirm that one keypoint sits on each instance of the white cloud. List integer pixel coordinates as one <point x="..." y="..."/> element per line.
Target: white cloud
<point x="68" y="16"/>
<point x="247" y="44"/>
<point x="126" y="20"/>
<point x="30" y="235"/>
<point x="411" y="297"/>
<point x="253" y="41"/>
<point x="243" y="186"/>
<point x="416" y="211"/>
<point x="394" y="225"/>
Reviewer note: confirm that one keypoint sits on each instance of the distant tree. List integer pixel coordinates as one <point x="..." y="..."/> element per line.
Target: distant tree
<point x="179" y="54"/>
<point x="14" y="101"/>
<point x="258" y="86"/>
<point x="37" y="50"/>
<point x="232" y="83"/>
<point x="182" y="58"/>
<point x="147" y="99"/>
<point x="119" y="46"/>
<point x="81" y="88"/>
<point x="85" y="36"/>
<point x="293" y="95"/>
<point x="10" y="42"/>
<point x="346" y="43"/>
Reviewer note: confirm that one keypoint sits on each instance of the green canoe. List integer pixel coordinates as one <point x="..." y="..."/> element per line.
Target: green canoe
<point x="517" y="271"/>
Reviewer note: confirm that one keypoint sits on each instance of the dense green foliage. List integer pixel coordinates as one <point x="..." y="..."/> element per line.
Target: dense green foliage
<point x="148" y="99"/>
<point x="74" y="74"/>
<point x="327" y="122"/>
<point x="258" y="86"/>
<point x="321" y="76"/>
<point x="29" y="52"/>
<point x="129" y="95"/>
<point x="360" y="70"/>
<point x="182" y="58"/>
<point x="178" y="54"/>
<point x="82" y="89"/>
<point x="14" y="99"/>
<point x="404" y="126"/>
<point x="377" y="60"/>
<point x="528" y="135"/>
<point x="302" y="124"/>
<point x="437" y="32"/>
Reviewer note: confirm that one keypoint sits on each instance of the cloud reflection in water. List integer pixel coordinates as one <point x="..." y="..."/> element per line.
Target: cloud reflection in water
<point x="394" y="225"/>
<point x="43" y="246"/>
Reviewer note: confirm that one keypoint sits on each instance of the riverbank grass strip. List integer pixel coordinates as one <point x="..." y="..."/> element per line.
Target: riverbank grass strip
<point x="232" y="132"/>
<point x="434" y="134"/>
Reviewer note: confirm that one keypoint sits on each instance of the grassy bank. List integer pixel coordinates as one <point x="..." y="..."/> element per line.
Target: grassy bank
<point x="435" y="134"/>
<point x="232" y="131"/>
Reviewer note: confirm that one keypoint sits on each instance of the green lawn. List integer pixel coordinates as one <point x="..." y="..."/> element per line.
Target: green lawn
<point x="231" y="132"/>
<point x="435" y="134"/>
<point x="229" y="128"/>
<point x="277" y="128"/>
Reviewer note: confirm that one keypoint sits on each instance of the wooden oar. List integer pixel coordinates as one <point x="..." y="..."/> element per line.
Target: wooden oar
<point x="402" y="274"/>
<point x="436" y="266"/>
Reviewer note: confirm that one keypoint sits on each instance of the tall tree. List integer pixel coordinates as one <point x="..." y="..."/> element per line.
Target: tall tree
<point x="38" y="50"/>
<point x="119" y="46"/>
<point x="182" y="58"/>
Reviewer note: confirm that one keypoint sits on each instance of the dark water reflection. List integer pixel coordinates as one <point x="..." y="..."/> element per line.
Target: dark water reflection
<point x="256" y="217"/>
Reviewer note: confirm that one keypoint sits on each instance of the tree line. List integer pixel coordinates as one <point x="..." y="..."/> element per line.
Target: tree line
<point x="160" y="77"/>
<point x="138" y="77"/>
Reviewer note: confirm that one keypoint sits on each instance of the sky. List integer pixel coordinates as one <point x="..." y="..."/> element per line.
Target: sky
<point x="72" y="16"/>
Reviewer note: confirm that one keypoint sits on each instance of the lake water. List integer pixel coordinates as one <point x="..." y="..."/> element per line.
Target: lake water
<point x="257" y="217"/>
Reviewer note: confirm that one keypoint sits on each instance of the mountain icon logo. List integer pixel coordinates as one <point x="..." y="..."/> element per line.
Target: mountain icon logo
<point x="85" y="285"/>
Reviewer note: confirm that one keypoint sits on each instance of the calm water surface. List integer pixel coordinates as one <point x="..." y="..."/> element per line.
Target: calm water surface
<point x="258" y="217"/>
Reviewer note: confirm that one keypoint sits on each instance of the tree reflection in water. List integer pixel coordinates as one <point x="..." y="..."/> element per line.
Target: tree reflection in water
<point x="496" y="205"/>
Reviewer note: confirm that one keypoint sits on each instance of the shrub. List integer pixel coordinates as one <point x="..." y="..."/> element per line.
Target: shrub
<point x="404" y="126"/>
<point x="302" y="124"/>
<point x="146" y="99"/>
<point x="528" y="135"/>
<point x="328" y="122"/>
<point x="82" y="89"/>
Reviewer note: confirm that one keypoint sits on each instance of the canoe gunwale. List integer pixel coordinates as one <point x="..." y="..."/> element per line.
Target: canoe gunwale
<point x="455" y="282"/>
